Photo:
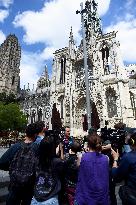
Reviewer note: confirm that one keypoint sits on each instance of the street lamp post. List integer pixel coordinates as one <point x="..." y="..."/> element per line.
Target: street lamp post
<point x="88" y="103"/>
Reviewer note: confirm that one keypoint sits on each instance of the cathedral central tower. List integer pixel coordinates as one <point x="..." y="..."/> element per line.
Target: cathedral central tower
<point x="10" y="54"/>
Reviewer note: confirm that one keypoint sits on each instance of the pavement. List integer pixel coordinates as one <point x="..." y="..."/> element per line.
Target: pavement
<point x="4" y="179"/>
<point x="118" y="198"/>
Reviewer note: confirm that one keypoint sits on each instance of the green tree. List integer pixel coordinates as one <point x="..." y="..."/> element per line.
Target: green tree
<point x="3" y="97"/>
<point x="11" y="98"/>
<point x="11" y="117"/>
<point x="6" y="99"/>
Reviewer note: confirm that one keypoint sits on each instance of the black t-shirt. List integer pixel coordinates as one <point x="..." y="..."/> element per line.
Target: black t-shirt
<point x="71" y="170"/>
<point x="66" y="144"/>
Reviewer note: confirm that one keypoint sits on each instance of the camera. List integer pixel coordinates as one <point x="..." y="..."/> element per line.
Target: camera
<point x="116" y="137"/>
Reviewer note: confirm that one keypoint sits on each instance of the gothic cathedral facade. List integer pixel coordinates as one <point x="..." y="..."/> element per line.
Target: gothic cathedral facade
<point x="108" y="79"/>
<point x="112" y="91"/>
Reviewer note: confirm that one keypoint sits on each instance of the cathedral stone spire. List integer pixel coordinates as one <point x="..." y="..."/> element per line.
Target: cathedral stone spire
<point x="71" y="45"/>
<point x="71" y="38"/>
<point x="10" y="54"/>
<point x="45" y="73"/>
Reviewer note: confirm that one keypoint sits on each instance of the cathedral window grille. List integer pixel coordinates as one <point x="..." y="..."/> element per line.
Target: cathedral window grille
<point x="133" y="104"/>
<point x="111" y="102"/>
<point x="105" y="57"/>
<point x="27" y="115"/>
<point x="63" y="71"/>
<point x="64" y="68"/>
<point x="13" y="80"/>
<point x="40" y="114"/>
<point x="33" y="116"/>
<point x="62" y="109"/>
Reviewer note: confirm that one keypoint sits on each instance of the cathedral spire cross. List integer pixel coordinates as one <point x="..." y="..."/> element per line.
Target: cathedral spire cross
<point x="71" y="38"/>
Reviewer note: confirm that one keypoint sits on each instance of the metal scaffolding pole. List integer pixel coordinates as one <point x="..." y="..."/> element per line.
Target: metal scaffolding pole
<point x="88" y="102"/>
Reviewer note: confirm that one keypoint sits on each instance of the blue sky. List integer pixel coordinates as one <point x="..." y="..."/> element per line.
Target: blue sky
<point x="42" y="26"/>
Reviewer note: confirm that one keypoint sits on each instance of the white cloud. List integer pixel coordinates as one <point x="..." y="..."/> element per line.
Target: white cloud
<point x="3" y="14"/>
<point x="52" y="24"/>
<point x="103" y="6"/>
<point x="126" y="36"/>
<point x="6" y="3"/>
<point x="47" y="53"/>
<point x="2" y="37"/>
<point x="29" y="68"/>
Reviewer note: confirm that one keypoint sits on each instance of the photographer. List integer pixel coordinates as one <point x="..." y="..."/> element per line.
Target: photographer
<point x="106" y="149"/>
<point x="126" y="171"/>
<point x="126" y="146"/>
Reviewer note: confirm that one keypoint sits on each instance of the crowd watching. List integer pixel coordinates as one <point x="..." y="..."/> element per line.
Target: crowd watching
<point x="52" y="168"/>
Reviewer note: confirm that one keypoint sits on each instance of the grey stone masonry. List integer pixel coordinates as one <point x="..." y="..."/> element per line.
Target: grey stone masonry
<point x="10" y="54"/>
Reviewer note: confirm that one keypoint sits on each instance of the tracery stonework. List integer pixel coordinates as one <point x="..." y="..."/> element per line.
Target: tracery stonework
<point x="105" y="70"/>
<point x="67" y="90"/>
<point x="36" y="103"/>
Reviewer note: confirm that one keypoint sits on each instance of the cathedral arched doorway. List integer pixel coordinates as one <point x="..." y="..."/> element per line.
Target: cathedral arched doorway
<point x="56" y="120"/>
<point x="95" y="121"/>
<point x="81" y="116"/>
<point x="40" y="114"/>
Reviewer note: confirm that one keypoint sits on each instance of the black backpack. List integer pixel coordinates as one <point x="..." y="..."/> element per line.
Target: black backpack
<point x="23" y="166"/>
<point x="45" y="185"/>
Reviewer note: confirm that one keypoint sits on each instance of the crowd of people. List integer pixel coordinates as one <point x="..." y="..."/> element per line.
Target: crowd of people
<point x="46" y="171"/>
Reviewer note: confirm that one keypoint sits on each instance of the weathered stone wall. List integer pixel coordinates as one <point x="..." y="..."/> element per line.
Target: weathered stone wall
<point x="10" y="54"/>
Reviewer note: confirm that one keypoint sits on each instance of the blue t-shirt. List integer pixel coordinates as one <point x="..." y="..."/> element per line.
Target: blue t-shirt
<point x="126" y="170"/>
<point x="39" y="139"/>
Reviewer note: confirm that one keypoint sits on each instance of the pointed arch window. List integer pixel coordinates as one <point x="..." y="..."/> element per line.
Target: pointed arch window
<point x="40" y="114"/>
<point x="105" y="57"/>
<point x="63" y="70"/>
<point x="33" y="116"/>
<point x="132" y="98"/>
<point x="111" y="99"/>
<point x="13" y="80"/>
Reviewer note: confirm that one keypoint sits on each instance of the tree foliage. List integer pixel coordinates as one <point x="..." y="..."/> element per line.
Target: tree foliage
<point x="6" y="99"/>
<point x="11" y="118"/>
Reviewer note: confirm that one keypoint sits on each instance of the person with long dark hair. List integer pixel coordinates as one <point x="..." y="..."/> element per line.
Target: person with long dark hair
<point x="93" y="180"/>
<point x="47" y="184"/>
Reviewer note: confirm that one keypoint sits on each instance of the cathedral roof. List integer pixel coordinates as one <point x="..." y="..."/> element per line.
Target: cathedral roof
<point x="133" y="76"/>
<point x="12" y="37"/>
